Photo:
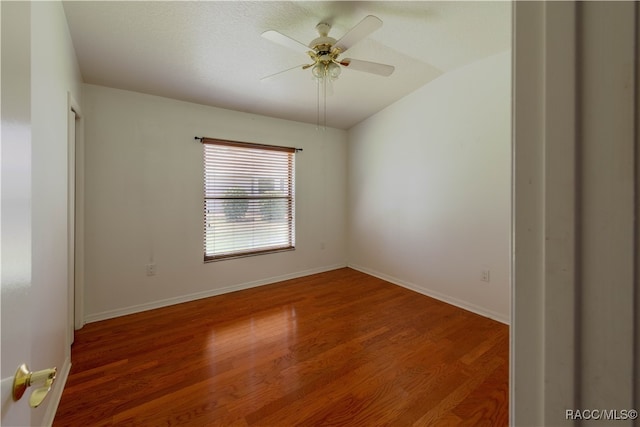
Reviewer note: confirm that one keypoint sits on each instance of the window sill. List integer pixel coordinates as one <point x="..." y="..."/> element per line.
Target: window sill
<point x="245" y="255"/>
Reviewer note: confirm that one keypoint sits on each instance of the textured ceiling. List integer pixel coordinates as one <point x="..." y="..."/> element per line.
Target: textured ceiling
<point x="211" y="52"/>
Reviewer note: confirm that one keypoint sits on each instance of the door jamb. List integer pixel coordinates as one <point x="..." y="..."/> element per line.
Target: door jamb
<point x="76" y="213"/>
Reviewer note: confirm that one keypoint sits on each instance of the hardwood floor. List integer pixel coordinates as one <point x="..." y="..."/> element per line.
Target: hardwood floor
<point x="334" y="349"/>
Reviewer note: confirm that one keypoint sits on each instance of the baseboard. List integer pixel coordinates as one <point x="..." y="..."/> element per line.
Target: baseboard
<point x="56" y="392"/>
<point x="96" y="317"/>
<point x="433" y="294"/>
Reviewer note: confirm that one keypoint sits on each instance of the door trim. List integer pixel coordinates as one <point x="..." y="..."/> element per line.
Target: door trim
<point x="76" y="215"/>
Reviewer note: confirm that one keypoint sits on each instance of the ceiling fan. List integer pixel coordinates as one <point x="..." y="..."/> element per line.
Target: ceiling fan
<point x="324" y="51"/>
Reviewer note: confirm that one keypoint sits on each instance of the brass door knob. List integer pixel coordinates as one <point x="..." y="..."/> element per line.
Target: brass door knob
<point x="25" y="378"/>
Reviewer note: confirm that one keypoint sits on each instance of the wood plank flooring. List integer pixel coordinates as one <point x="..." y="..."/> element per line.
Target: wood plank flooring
<point x="334" y="349"/>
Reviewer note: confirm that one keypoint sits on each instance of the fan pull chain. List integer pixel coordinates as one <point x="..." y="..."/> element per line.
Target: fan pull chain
<point x="318" y="106"/>
<point x="324" y="124"/>
<point x="321" y="118"/>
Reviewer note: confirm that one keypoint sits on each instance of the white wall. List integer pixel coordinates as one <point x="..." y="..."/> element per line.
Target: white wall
<point x="54" y="73"/>
<point x="429" y="189"/>
<point x="143" y="190"/>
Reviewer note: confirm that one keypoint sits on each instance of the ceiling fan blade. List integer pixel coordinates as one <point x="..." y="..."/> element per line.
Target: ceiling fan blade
<point x="368" y="67"/>
<point x="286" y="41"/>
<point x="365" y="27"/>
<point x="270" y="76"/>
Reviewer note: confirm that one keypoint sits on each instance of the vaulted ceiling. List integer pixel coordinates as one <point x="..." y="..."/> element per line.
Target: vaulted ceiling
<point x="212" y="52"/>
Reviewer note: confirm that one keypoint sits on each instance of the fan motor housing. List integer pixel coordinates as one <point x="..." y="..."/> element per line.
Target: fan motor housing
<point x="322" y="44"/>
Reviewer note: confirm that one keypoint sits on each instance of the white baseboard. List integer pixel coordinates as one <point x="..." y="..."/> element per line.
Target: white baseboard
<point x="55" y="395"/>
<point x="433" y="294"/>
<point x="110" y="314"/>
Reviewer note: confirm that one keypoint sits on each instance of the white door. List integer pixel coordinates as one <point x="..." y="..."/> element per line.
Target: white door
<point x="15" y="203"/>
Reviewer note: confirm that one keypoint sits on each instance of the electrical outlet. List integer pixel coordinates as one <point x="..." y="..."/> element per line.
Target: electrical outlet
<point x="151" y="269"/>
<point x="485" y="275"/>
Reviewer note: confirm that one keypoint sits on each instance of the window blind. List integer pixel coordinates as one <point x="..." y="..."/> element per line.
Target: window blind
<point x="249" y="205"/>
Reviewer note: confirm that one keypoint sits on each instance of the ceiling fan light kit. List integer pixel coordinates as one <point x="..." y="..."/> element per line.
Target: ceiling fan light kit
<point x="323" y="70"/>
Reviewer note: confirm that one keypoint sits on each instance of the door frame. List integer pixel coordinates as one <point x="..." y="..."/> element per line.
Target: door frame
<point x="567" y="309"/>
<point x="75" y="223"/>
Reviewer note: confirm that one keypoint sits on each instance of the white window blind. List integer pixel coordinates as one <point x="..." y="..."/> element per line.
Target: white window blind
<point x="248" y="199"/>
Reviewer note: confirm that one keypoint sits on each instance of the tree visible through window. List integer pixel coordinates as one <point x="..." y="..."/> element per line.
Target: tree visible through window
<point x="248" y="199"/>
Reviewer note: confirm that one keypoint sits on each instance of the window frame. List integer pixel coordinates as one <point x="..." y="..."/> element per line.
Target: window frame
<point x="253" y="197"/>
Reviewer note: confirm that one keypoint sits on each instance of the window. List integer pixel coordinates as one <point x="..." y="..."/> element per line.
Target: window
<point x="248" y="199"/>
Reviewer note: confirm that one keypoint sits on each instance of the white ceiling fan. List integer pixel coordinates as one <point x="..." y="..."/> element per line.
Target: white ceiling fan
<point x="325" y="51"/>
